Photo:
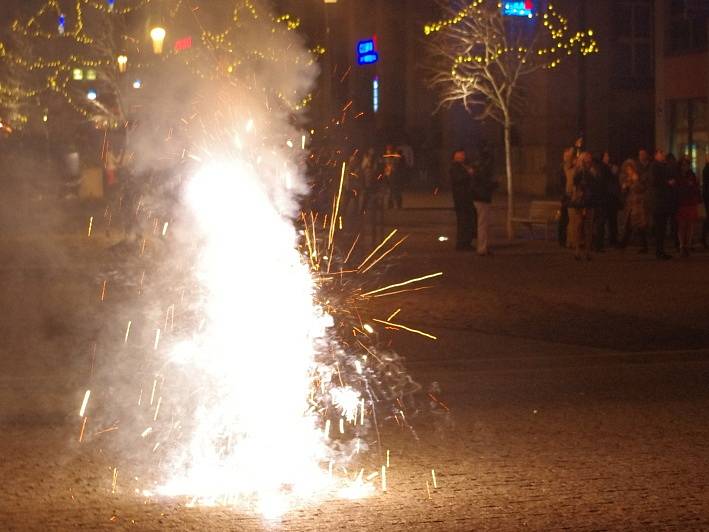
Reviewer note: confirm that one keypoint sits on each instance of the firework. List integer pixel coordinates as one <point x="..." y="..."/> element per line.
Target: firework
<point x="246" y="332"/>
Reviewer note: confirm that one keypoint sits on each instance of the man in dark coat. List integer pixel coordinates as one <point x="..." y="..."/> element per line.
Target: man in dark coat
<point x="461" y="184"/>
<point x="615" y="201"/>
<point x="601" y="186"/>
<point x="664" y="204"/>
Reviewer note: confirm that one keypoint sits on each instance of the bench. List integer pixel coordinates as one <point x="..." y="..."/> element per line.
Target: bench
<point x="544" y="213"/>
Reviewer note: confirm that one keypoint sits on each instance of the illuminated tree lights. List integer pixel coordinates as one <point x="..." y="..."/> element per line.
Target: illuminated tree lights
<point x="53" y="50"/>
<point x="482" y="51"/>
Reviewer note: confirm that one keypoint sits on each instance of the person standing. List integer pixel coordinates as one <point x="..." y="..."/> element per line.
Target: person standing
<point x="635" y="218"/>
<point x="615" y="199"/>
<point x="352" y="188"/>
<point x="673" y="169"/>
<point x="483" y="185"/>
<point x="602" y="200"/>
<point x="393" y="173"/>
<point x="112" y="163"/>
<point x="705" y="196"/>
<point x="663" y="205"/>
<point x="566" y="183"/>
<point x="582" y="206"/>
<point x="688" y="200"/>
<point x="644" y="167"/>
<point x="375" y="194"/>
<point x="461" y="184"/>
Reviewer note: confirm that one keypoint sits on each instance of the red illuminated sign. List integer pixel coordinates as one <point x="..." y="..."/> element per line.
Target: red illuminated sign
<point x="183" y="44"/>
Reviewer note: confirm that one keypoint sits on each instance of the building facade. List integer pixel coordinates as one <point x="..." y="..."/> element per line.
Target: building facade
<point x="682" y="66"/>
<point x="607" y="98"/>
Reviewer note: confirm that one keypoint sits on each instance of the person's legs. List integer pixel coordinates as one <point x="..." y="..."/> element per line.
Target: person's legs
<point x="573" y="229"/>
<point x="642" y="233"/>
<point x="397" y="199"/>
<point x="613" y="226"/>
<point x="576" y="231"/>
<point x="588" y="226"/>
<point x="690" y="235"/>
<point x="473" y="220"/>
<point x="483" y="210"/>
<point x="563" y="225"/>
<point x="627" y="232"/>
<point x="459" y="227"/>
<point x="674" y="230"/>
<point x="660" y="229"/>
<point x="464" y="221"/>
<point x="464" y="232"/>
<point x="376" y="215"/>
<point x="599" y="228"/>
<point x="684" y="234"/>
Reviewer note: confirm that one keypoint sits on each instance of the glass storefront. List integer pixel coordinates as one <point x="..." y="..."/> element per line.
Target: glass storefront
<point x="688" y="130"/>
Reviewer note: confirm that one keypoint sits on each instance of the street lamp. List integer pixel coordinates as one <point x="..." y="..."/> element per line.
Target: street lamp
<point x="157" y="34"/>
<point x="122" y="63"/>
<point x="91" y="94"/>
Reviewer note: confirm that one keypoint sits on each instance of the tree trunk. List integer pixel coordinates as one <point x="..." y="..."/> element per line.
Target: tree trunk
<point x="508" y="171"/>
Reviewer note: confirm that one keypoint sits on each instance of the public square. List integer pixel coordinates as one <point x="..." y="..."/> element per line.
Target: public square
<point x="577" y="391"/>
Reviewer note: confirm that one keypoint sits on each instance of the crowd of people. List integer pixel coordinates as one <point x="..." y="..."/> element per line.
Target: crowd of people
<point x="603" y="204"/>
<point x="651" y="198"/>
<point x="374" y="181"/>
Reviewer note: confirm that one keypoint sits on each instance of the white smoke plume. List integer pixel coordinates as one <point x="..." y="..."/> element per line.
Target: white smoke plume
<point x="231" y="328"/>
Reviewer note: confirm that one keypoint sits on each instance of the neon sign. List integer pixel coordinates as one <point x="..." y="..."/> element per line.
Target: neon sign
<point x="519" y="8"/>
<point x="375" y="94"/>
<point x="367" y="52"/>
<point x="183" y="44"/>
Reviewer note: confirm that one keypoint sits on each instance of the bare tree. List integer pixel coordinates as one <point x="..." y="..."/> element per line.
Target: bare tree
<point x="480" y="56"/>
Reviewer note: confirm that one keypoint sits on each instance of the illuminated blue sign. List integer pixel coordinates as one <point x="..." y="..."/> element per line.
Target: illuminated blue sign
<point x="519" y="8"/>
<point x="366" y="52"/>
<point x="375" y="94"/>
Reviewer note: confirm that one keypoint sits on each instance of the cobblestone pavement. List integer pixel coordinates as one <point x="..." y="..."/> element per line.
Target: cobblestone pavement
<point x="578" y="393"/>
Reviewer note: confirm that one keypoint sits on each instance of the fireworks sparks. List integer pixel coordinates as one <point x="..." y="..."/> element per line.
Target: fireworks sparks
<point x="263" y="379"/>
<point x="84" y="403"/>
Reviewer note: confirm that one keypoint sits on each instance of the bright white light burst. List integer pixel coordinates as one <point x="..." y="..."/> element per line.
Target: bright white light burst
<point x="255" y="436"/>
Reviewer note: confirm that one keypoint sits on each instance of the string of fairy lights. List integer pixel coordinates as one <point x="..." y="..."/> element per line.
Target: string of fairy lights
<point x="57" y="26"/>
<point x="558" y="41"/>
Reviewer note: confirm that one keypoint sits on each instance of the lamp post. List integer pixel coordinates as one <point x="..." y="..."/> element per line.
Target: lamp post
<point x="122" y="63"/>
<point x="157" y="34"/>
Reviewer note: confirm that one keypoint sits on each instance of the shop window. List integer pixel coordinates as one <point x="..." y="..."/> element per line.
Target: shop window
<point x="688" y="130"/>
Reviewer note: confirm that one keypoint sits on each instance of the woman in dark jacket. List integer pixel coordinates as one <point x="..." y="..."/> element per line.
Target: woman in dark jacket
<point x="688" y="200"/>
<point x="582" y="204"/>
